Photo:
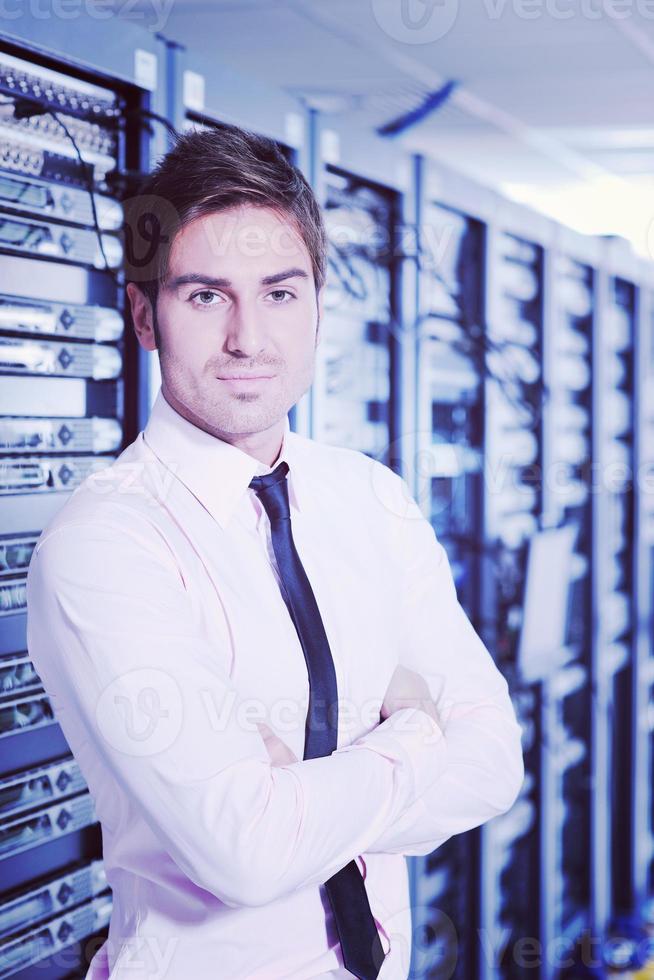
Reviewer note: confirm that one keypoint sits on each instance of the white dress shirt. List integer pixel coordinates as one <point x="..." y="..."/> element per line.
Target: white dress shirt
<point x="157" y="624"/>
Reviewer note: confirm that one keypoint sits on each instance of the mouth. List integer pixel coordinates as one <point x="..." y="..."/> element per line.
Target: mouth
<point x="245" y="380"/>
<point x="244" y="377"/>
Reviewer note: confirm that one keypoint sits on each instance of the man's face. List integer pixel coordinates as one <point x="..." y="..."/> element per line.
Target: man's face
<point x="239" y="299"/>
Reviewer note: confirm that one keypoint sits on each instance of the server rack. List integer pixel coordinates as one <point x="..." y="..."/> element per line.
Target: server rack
<point x="368" y="196"/>
<point x="613" y="588"/>
<point x="449" y="488"/>
<point x="642" y="767"/>
<point x="513" y="460"/>
<point x="353" y="402"/>
<point x="587" y="742"/>
<point x="566" y="691"/>
<point x="544" y="879"/>
<point x="70" y="402"/>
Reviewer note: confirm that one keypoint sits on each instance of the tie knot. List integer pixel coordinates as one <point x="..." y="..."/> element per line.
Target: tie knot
<point x="272" y="491"/>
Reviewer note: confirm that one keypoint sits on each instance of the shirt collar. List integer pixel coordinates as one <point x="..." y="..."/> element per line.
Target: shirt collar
<point x="215" y="472"/>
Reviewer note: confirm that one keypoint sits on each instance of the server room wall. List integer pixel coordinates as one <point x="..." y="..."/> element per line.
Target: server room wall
<point x="500" y="362"/>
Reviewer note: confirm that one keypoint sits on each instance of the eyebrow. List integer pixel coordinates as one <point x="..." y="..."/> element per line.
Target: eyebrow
<point x="222" y="283"/>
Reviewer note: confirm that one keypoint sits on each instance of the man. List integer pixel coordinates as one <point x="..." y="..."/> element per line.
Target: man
<point x="252" y="641"/>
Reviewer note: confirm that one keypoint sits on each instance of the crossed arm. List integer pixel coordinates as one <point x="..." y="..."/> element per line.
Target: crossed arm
<point x="407" y="689"/>
<point x="109" y="618"/>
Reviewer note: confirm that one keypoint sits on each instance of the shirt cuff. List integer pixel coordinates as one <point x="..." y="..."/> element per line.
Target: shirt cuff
<point x="415" y="742"/>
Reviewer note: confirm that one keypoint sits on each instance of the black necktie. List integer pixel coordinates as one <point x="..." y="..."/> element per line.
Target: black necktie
<point x="363" y="953"/>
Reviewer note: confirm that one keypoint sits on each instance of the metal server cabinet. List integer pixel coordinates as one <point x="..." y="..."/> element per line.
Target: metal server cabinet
<point x="566" y="701"/>
<point x="627" y="885"/>
<point x="353" y="392"/>
<point x="512" y="503"/>
<point x="69" y="404"/>
<point x="363" y="185"/>
<point x="613" y="527"/>
<point x="478" y="447"/>
<point x="566" y="410"/>
<point x="448" y="478"/>
<point x="642" y="805"/>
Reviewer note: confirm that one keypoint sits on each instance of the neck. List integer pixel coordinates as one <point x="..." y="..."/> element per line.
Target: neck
<point x="264" y="446"/>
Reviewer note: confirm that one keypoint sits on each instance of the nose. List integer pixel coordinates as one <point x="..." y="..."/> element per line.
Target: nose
<point x="245" y="331"/>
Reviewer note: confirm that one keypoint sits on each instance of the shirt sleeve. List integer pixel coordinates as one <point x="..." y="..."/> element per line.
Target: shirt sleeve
<point x="143" y="700"/>
<point x="479" y="764"/>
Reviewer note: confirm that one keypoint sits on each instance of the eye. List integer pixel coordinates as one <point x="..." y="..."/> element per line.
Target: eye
<point x="204" y="297"/>
<point x="281" y="293"/>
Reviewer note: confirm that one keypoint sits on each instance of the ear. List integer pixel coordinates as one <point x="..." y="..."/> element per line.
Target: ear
<point x="142" y="317"/>
<point x="321" y="305"/>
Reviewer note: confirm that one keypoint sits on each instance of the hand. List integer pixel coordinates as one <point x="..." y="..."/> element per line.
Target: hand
<point x="279" y="752"/>
<point x="408" y="689"/>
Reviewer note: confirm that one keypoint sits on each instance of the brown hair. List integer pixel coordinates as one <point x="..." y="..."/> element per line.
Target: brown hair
<point x="211" y="170"/>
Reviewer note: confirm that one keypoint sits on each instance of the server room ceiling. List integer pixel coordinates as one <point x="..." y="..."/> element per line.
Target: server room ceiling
<point x="554" y="104"/>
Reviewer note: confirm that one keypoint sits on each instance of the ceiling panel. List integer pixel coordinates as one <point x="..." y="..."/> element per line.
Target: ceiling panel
<point x="543" y="99"/>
